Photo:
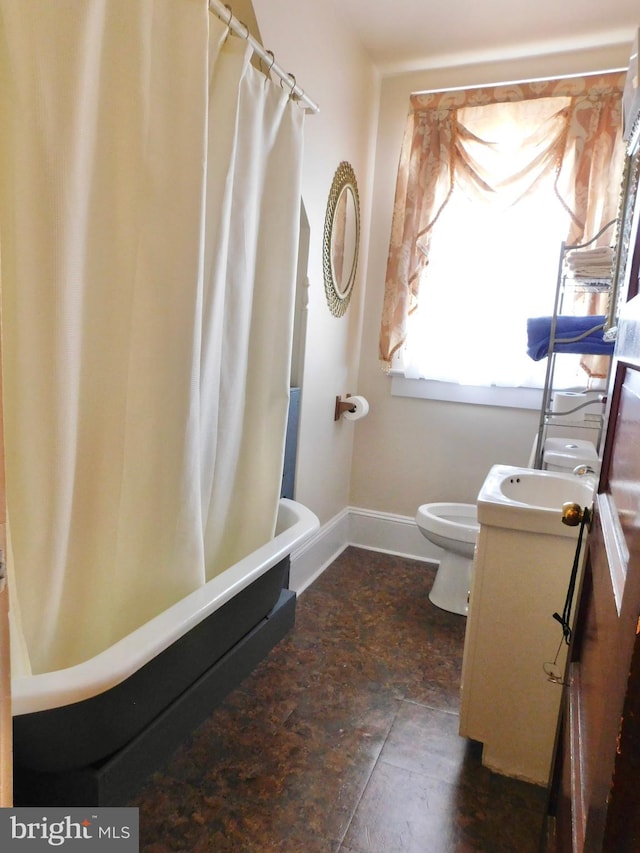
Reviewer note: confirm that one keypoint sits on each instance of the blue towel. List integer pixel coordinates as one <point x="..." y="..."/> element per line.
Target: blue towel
<point x="573" y="334"/>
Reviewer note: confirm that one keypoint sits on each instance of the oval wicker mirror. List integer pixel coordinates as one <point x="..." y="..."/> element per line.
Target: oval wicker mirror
<point x="341" y="239"/>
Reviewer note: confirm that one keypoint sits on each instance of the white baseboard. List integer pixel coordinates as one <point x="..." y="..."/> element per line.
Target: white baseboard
<point x="363" y="528"/>
<point x="392" y="534"/>
<point x="318" y="552"/>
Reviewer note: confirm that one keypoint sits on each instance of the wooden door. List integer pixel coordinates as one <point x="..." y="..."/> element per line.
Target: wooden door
<point x="595" y="793"/>
<point x="6" y="753"/>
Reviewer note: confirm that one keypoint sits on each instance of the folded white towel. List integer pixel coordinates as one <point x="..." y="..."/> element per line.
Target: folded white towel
<point x="590" y="263"/>
<point x="591" y="254"/>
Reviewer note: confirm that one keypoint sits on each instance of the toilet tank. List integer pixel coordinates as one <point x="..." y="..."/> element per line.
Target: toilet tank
<point x="565" y="454"/>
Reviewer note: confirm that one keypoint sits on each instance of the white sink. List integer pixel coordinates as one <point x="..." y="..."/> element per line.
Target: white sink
<point x="529" y="499"/>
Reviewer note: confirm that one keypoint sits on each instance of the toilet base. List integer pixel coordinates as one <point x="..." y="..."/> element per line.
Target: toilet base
<point x="450" y="590"/>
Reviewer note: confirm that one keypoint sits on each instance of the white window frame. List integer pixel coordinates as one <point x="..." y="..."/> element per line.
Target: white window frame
<point x="452" y="392"/>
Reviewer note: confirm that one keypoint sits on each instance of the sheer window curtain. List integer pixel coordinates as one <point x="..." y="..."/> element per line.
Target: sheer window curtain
<point x="149" y="205"/>
<point x="583" y="146"/>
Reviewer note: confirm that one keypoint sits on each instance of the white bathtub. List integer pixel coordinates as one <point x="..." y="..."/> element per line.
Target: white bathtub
<point x="93" y="709"/>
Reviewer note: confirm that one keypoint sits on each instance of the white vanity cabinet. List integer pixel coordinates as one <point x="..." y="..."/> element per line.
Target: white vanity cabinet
<point x="508" y="703"/>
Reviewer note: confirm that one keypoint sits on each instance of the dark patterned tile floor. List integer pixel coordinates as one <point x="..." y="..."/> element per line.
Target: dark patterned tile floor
<point x="344" y="739"/>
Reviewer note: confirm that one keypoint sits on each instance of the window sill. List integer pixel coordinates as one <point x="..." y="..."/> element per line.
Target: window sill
<point x="429" y="389"/>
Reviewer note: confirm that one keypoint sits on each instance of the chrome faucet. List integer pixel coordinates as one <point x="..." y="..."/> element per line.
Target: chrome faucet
<point x="581" y="470"/>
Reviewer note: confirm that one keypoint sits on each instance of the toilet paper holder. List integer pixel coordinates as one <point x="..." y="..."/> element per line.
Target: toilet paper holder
<point x="342" y="406"/>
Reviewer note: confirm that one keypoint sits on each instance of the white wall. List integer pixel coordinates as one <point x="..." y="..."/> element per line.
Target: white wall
<point x="409" y="451"/>
<point x="310" y="39"/>
<point x="406" y="451"/>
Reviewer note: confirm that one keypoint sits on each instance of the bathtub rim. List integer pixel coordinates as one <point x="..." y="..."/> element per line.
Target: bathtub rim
<point x="31" y="693"/>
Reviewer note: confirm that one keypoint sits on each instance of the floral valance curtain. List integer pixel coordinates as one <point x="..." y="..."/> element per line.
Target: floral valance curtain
<point x="578" y="136"/>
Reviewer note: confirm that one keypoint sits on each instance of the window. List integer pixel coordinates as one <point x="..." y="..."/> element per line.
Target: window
<point x="490" y="182"/>
<point x="493" y="259"/>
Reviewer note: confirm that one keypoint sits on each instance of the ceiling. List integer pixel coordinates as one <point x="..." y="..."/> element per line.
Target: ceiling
<point x="403" y="35"/>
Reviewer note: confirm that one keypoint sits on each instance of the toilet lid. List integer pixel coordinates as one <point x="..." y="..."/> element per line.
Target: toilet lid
<point x="569" y="452"/>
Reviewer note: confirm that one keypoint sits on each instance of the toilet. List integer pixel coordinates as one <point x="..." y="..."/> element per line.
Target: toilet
<point x="566" y="454"/>
<point x="454" y="528"/>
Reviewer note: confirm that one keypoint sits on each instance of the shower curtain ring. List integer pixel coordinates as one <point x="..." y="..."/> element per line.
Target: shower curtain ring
<point x="273" y="62"/>
<point x="230" y="11"/>
<point x="291" y="85"/>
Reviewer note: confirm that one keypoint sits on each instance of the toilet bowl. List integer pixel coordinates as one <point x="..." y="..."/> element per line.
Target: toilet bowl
<point x="454" y="528"/>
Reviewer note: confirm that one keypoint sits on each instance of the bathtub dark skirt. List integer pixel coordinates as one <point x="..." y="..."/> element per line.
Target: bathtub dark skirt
<point x="99" y="751"/>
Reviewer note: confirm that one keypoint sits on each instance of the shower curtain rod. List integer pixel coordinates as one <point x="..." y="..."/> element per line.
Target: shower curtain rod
<point x="225" y="14"/>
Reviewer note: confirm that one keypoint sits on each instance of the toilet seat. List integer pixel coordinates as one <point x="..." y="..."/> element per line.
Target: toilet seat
<point x="451" y="520"/>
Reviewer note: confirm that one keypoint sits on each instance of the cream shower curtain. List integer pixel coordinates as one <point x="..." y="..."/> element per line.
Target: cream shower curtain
<point x="149" y="208"/>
